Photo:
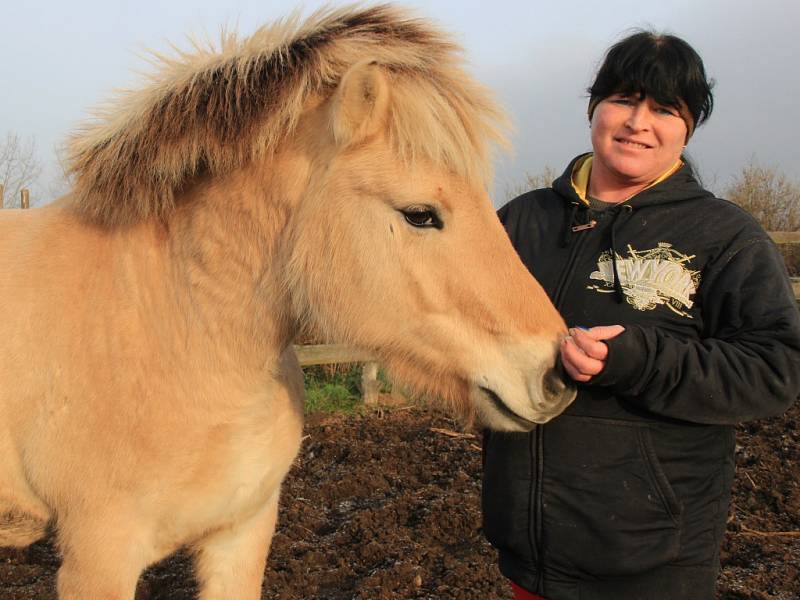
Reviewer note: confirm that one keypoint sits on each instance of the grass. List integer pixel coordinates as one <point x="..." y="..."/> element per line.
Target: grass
<point x="330" y="389"/>
<point x="337" y="388"/>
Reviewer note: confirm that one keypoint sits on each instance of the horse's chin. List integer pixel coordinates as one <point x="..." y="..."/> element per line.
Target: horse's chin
<point x="499" y="416"/>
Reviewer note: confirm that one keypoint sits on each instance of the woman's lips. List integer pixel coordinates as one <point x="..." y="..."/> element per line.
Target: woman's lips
<point x="632" y="143"/>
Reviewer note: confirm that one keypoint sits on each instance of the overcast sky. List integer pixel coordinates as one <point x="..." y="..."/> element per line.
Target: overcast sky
<point x="61" y="58"/>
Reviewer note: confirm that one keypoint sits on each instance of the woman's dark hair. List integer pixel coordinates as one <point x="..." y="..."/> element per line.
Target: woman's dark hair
<point x="660" y="66"/>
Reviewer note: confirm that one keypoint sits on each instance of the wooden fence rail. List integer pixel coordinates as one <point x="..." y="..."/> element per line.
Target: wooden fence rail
<point x="785" y="237"/>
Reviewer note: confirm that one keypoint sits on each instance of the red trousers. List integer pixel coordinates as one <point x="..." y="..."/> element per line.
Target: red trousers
<point x="520" y="594"/>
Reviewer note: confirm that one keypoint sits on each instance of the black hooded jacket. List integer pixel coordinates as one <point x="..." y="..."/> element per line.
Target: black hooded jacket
<point x="625" y="495"/>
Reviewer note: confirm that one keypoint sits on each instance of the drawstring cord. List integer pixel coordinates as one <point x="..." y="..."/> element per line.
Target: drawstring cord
<point x="619" y="293"/>
<point x="566" y="236"/>
<point x="569" y="229"/>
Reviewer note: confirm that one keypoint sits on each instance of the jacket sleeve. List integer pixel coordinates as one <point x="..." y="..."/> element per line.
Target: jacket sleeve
<point x="745" y="366"/>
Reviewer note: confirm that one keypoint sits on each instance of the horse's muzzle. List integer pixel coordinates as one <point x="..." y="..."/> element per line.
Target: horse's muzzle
<point x="559" y="389"/>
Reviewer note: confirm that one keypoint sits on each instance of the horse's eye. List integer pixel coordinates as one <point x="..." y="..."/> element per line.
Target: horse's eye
<point x="422" y="216"/>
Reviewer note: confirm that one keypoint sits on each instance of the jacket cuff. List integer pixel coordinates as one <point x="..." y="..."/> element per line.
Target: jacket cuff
<point x="625" y="360"/>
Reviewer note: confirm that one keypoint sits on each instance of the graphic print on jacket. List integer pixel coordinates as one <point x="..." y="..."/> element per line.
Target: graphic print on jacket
<point x="650" y="278"/>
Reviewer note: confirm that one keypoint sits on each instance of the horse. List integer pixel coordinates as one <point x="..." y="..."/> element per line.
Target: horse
<point x="328" y="172"/>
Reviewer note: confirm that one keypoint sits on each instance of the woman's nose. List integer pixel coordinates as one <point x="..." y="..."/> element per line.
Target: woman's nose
<point x="638" y="118"/>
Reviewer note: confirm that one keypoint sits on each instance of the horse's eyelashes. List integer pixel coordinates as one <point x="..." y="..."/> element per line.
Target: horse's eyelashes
<point x="422" y="217"/>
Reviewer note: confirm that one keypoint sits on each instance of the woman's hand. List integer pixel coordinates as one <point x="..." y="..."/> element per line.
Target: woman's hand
<point x="583" y="352"/>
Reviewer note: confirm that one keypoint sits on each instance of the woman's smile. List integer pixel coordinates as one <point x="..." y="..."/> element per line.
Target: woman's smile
<point x="632" y="143"/>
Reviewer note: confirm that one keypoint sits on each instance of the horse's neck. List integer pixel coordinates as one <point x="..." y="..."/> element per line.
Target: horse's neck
<point x="225" y="247"/>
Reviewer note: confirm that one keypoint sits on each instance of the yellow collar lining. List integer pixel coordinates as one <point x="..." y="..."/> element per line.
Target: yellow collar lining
<point x="582" y="171"/>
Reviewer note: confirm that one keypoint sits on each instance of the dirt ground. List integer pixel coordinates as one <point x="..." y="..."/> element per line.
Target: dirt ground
<point x="386" y="505"/>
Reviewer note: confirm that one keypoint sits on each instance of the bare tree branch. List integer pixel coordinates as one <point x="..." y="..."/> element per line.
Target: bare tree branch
<point x="532" y="182"/>
<point x="19" y="167"/>
<point x="768" y="195"/>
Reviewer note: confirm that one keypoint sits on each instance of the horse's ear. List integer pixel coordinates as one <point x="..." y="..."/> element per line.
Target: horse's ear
<point x="361" y="103"/>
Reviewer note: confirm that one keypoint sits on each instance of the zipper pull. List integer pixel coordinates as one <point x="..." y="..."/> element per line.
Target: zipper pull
<point x="588" y="225"/>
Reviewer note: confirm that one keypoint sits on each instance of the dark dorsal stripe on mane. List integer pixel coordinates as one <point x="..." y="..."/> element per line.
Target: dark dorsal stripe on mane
<point x="212" y="110"/>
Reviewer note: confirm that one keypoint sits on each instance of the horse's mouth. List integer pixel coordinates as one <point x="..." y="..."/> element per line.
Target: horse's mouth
<point x="506" y="411"/>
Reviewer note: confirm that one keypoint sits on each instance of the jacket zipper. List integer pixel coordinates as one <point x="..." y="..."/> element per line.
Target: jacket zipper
<point x="558" y="297"/>
<point x="577" y="246"/>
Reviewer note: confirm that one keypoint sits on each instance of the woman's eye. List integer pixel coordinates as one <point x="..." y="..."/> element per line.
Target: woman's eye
<point x="666" y="111"/>
<point x="422" y="217"/>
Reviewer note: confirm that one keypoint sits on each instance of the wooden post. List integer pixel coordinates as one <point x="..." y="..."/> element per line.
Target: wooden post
<point x="25" y="198"/>
<point x="370" y="386"/>
<point x="2" y="195"/>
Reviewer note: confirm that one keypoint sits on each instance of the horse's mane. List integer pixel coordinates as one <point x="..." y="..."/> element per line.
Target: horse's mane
<point x="214" y="109"/>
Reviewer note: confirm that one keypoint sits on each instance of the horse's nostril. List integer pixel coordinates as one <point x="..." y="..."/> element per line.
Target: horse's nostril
<point x="555" y="382"/>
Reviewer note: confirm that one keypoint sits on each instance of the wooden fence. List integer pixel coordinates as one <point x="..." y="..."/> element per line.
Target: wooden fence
<point x="327" y="354"/>
<point x="24" y="197"/>
<point x="333" y="354"/>
<point x="789" y="237"/>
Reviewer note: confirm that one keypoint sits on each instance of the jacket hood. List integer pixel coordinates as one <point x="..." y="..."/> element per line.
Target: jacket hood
<point x="678" y="187"/>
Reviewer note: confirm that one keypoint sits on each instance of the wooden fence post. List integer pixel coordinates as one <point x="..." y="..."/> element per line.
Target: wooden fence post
<point x="25" y="198"/>
<point x="2" y="195"/>
<point x="370" y="386"/>
<point x="789" y="238"/>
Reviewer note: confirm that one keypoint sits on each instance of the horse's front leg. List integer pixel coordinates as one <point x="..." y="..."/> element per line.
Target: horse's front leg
<point x="103" y="556"/>
<point x="230" y="563"/>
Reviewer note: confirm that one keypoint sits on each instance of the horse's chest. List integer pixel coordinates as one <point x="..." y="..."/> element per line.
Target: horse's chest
<point x="242" y="467"/>
<point x="258" y="461"/>
<point x="259" y="466"/>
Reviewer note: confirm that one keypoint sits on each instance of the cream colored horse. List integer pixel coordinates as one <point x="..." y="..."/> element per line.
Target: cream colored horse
<point x="331" y="172"/>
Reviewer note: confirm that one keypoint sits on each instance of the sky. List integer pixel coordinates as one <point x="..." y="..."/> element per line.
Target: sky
<point x="62" y="58"/>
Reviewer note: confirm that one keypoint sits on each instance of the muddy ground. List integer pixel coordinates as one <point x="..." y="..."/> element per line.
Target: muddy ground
<point x="385" y="505"/>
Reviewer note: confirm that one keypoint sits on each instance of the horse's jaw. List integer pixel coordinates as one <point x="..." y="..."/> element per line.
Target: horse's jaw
<point x="520" y="387"/>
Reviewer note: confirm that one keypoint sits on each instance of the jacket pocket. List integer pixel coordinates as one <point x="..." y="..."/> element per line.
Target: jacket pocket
<point x="607" y="507"/>
<point x="507" y="493"/>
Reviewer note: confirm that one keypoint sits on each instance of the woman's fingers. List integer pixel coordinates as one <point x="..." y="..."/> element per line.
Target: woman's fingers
<point x="583" y="353"/>
<point x="605" y="332"/>
<point x="590" y="345"/>
<point x="577" y="363"/>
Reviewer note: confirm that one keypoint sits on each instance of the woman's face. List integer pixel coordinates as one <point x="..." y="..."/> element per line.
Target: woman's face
<point x="635" y="140"/>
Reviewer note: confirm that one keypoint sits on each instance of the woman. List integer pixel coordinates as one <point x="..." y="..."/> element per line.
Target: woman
<point x="682" y="324"/>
